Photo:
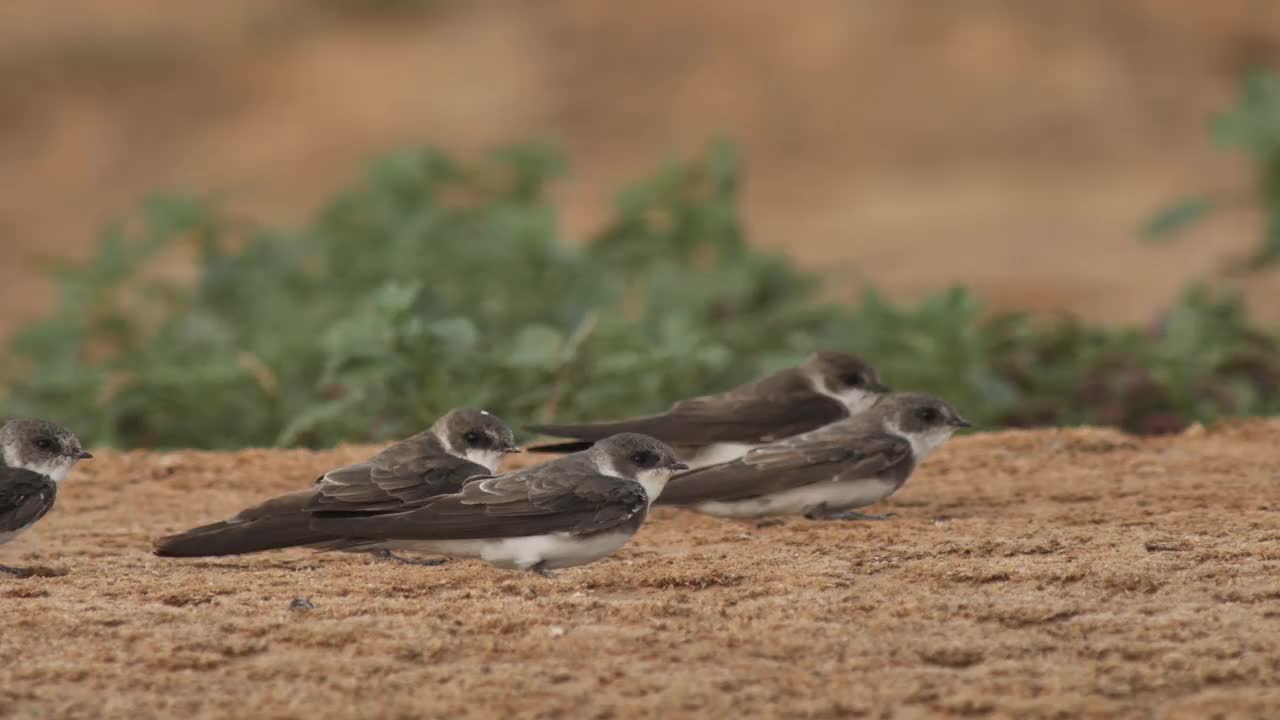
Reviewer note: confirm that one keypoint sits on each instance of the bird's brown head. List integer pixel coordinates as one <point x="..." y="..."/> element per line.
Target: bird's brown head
<point x="924" y="420"/>
<point x="633" y="456"/>
<point x="477" y="435"/>
<point x="41" y="446"/>
<point x="847" y="378"/>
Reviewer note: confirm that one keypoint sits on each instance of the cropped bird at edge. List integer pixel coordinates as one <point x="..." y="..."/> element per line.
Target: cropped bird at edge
<point x="38" y="455"/>
<point x="571" y="511"/>
<point x="825" y="473"/>
<point x="827" y="387"/>
<point x="462" y="444"/>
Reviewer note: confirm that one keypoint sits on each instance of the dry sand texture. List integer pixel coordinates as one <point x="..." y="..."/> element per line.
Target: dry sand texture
<point x="1073" y="573"/>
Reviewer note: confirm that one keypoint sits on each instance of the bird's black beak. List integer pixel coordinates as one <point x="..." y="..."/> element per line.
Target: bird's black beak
<point x="84" y="455"/>
<point x="677" y="466"/>
<point x="961" y="422"/>
<point x="512" y="449"/>
<point x="880" y="388"/>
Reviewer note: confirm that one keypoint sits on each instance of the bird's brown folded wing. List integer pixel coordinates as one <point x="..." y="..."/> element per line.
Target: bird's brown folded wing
<point x="25" y="497"/>
<point x="817" y="456"/>
<point x="520" y="504"/>
<point x="778" y="406"/>
<point x="394" y="483"/>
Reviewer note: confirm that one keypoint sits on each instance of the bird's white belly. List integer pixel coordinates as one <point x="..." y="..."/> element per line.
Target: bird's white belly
<point x="716" y="454"/>
<point x="11" y="534"/>
<point x="553" y="551"/>
<point x="835" y="495"/>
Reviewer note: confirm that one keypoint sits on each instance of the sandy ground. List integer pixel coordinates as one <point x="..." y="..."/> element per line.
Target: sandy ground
<point x="1073" y="573"/>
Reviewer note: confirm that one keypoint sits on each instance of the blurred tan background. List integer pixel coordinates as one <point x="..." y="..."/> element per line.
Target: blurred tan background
<point x="1014" y="146"/>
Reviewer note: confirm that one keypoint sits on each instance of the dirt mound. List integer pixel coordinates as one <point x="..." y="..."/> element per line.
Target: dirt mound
<point x="1072" y="573"/>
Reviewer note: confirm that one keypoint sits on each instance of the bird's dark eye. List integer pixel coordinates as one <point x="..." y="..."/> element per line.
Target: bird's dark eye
<point x="46" y="443"/>
<point x="475" y="439"/>
<point x="928" y="414"/>
<point x="644" y="458"/>
<point x="852" y="380"/>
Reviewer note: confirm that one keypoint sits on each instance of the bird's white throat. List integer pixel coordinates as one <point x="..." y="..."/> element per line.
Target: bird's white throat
<point x="56" y="470"/>
<point x="653" y="481"/>
<point x="922" y="443"/>
<point x="488" y="458"/>
<point x="855" y="400"/>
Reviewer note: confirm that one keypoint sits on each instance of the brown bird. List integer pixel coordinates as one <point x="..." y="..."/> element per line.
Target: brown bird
<point x="827" y="387"/>
<point x="571" y="511"/>
<point x="827" y="472"/>
<point x="38" y="455"/>
<point x="463" y="444"/>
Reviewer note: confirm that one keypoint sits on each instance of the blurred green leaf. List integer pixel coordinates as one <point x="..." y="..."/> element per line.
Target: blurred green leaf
<point x="1254" y="124"/>
<point x="1252" y="127"/>
<point x="1177" y="217"/>
<point x="435" y="282"/>
<point x="536" y="346"/>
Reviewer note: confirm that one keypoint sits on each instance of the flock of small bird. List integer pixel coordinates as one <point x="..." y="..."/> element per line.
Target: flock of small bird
<point x="821" y="439"/>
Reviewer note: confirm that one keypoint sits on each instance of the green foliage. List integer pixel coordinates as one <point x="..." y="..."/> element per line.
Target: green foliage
<point x="1252" y="127"/>
<point x="433" y="283"/>
<point x="1173" y="218"/>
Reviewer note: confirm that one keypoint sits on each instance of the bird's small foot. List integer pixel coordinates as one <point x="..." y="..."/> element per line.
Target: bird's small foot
<point x="852" y="515"/>
<point x="823" y="513"/>
<point x="542" y="570"/>
<point x="388" y="555"/>
<point x="16" y="572"/>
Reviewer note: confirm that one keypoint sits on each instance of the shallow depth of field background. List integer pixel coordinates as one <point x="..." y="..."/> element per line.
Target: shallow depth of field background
<point x="1013" y="148"/>
<point x="1010" y="150"/>
<point x="1010" y="146"/>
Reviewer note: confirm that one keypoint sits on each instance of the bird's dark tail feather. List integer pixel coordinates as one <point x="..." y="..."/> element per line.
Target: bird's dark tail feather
<point x="581" y="436"/>
<point x="562" y="447"/>
<point x="276" y="524"/>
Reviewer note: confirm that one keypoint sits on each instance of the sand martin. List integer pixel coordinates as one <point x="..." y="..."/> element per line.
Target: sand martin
<point x="571" y="511"/>
<point x="463" y="444"/>
<point x="827" y="472"/>
<point x="37" y="454"/>
<point x="714" y="429"/>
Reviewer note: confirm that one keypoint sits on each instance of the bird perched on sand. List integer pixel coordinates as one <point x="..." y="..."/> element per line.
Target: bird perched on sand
<point x="462" y="444"/>
<point x="712" y="429"/>
<point x="825" y="473"/>
<point x="38" y="455"/>
<point x="571" y="511"/>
